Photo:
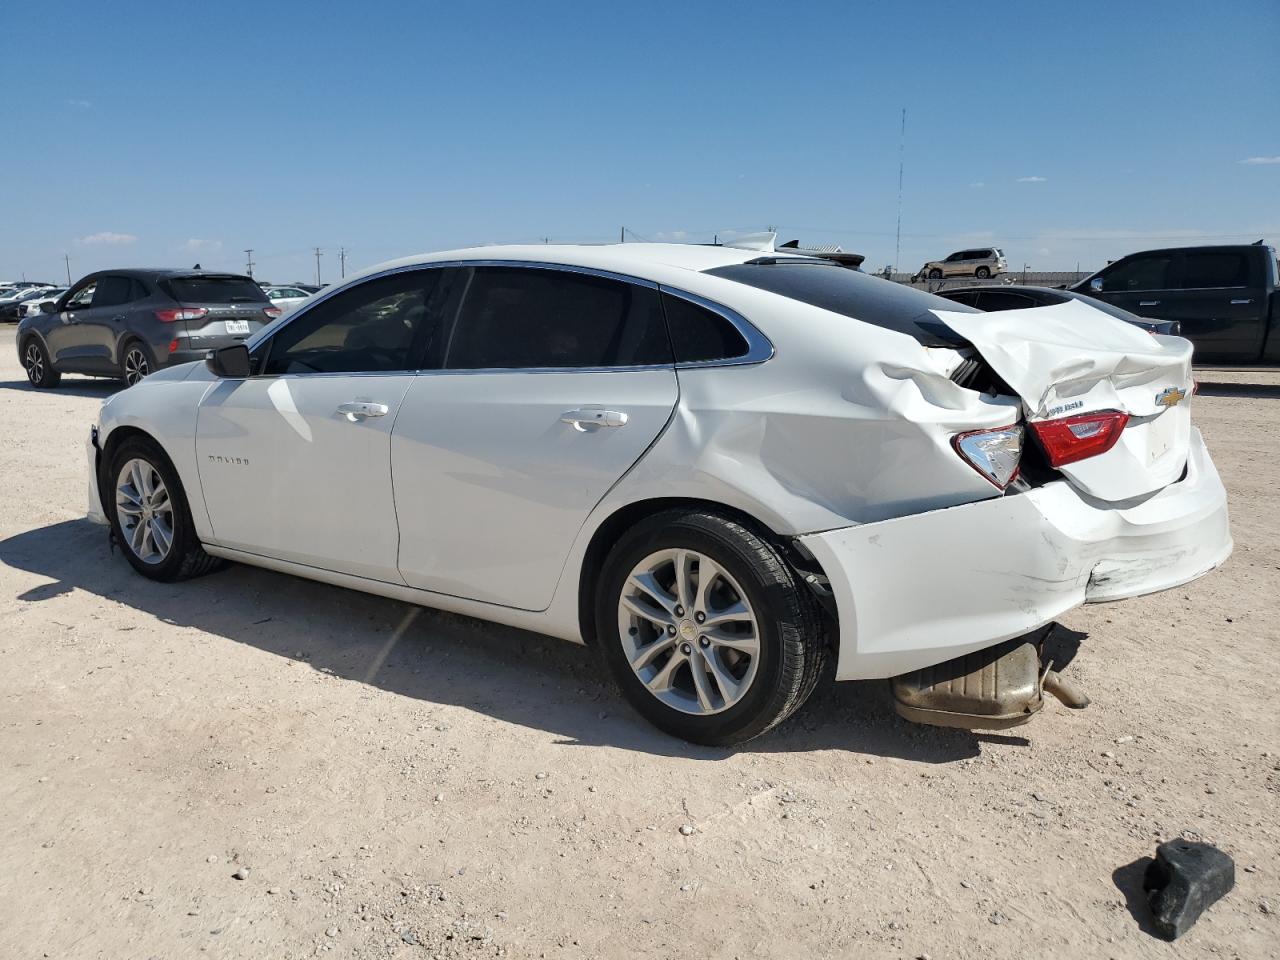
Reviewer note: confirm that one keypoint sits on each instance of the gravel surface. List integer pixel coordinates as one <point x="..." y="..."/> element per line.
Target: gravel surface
<point x="250" y="765"/>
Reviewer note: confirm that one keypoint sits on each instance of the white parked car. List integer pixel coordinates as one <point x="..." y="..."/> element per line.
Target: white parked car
<point x="51" y="295"/>
<point x="718" y="467"/>
<point x="286" y="298"/>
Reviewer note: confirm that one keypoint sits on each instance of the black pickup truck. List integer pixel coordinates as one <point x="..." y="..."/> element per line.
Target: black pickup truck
<point x="1225" y="297"/>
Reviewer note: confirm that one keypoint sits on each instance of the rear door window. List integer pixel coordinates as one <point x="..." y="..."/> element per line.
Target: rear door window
<point x="1211" y="270"/>
<point x="113" y="291"/>
<point x="531" y="318"/>
<point x="213" y="289"/>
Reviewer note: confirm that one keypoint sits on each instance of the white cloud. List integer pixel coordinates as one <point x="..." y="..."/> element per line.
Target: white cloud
<point x="196" y="245"/>
<point x="1031" y="179"/>
<point x="1260" y="161"/>
<point x="977" y="184"/>
<point x="82" y="104"/>
<point x="107" y="238"/>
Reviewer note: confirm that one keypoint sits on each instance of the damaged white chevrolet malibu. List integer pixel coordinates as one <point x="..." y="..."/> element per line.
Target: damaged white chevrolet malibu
<point x="720" y="467"/>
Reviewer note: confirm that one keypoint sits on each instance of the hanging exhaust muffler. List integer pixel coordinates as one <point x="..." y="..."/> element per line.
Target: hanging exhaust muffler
<point x="993" y="689"/>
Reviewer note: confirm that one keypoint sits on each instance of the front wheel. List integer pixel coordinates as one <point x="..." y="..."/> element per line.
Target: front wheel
<point x="706" y="628"/>
<point x="149" y="514"/>
<point x="935" y="274"/>
<point x="40" y="371"/>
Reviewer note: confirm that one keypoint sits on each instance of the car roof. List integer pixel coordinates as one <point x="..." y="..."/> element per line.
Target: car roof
<point x="163" y="273"/>
<point x="622" y="258"/>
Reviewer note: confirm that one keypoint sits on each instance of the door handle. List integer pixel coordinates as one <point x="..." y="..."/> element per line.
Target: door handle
<point x="362" y="409"/>
<point x="1148" y="303"/>
<point x="590" y="418"/>
<point x="1237" y="303"/>
<point x="118" y="319"/>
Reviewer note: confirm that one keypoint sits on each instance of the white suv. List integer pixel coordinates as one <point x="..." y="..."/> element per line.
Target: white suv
<point x="719" y="468"/>
<point x="981" y="262"/>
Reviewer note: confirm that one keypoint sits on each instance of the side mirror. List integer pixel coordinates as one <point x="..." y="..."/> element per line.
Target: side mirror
<point x="230" y="363"/>
<point x="1096" y="284"/>
<point x="48" y="306"/>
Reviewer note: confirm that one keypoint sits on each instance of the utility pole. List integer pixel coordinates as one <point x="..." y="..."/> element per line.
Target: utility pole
<point x="248" y="266"/>
<point x="67" y="260"/>
<point x="318" y="254"/>
<point x="342" y="259"/>
<point x="622" y="235"/>
<point x="902" y="149"/>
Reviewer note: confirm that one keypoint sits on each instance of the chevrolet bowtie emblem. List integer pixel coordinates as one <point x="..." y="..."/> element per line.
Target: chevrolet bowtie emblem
<point x="1170" y="397"/>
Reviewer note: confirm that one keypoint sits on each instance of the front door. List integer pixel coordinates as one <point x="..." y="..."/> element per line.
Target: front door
<point x="69" y="338"/>
<point x="554" y="384"/>
<point x="295" y="461"/>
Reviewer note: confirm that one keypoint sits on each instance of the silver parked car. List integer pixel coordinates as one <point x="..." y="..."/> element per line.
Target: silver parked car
<point x="980" y="262"/>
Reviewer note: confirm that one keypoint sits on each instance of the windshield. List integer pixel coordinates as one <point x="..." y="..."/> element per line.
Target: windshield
<point x="882" y="303"/>
<point x="205" y="289"/>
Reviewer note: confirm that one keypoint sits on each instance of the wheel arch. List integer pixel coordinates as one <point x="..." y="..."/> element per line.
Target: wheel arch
<point x="107" y="448"/>
<point x="607" y="534"/>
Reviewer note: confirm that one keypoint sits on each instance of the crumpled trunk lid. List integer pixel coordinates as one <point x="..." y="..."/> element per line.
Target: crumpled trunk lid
<point x="1070" y="359"/>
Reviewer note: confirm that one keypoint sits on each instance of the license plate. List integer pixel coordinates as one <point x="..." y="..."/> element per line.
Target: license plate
<point x="237" y="326"/>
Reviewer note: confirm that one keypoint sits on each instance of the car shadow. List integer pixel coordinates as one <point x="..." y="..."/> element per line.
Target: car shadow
<point x="1209" y="388"/>
<point x="1128" y="880"/>
<point x="71" y="386"/>
<point x="509" y="674"/>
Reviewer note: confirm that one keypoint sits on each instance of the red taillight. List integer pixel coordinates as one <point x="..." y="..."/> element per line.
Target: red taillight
<point x="1077" y="438"/>
<point x="182" y="313"/>
<point x="173" y="346"/>
<point x="272" y="312"/>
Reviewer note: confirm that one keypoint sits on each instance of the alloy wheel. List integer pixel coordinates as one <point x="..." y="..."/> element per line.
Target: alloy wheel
<point x="145" y="511"/>
<point x="136" y="366"/>
<point x="689" y="632"/>
<point x="33" y="360"/>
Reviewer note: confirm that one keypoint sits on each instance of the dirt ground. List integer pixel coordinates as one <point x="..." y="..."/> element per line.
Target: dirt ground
<point x="396" y="781"/>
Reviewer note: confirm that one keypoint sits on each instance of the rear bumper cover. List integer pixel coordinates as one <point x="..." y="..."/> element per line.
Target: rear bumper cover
<point x="915" y="591"/>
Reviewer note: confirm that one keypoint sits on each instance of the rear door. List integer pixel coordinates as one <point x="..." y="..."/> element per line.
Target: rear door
<point x="1220" y="299"/>
<point x="555" y="382"/>
<point x="295" y="461"/>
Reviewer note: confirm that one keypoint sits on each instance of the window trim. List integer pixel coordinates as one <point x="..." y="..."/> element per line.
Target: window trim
<point x="759" y="347"/>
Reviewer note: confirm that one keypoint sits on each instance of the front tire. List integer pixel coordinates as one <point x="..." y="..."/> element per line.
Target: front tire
<point x="706" y="628"/>
<point x="150" y="516"/>
<point x="935" y="274"/>
<point x="40" y="371"/>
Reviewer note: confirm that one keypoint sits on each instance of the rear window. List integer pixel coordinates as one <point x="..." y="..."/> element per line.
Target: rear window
<point x="881" y="303"/>
<point x="214" y="290"/>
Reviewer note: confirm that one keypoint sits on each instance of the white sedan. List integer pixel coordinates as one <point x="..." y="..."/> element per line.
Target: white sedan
<point x="721" y="467"/>
<point x="286" y="298"/>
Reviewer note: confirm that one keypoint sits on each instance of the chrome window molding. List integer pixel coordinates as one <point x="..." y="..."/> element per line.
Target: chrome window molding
<point x="759" y="348"/>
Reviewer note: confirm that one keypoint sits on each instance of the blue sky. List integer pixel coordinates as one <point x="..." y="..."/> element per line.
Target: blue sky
<point x="163" y="134"/>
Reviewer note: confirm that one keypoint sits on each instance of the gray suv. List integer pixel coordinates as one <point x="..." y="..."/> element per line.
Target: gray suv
<point x="128" y="323"/>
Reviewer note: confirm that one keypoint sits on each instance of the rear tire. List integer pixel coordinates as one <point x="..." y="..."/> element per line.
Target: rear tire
<point x="741" y="657"/>
<point x="982" y="273"/>
<point x="40" y="371"/>
<point x="150" y="516"/>
<point x="136" y="363"/>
